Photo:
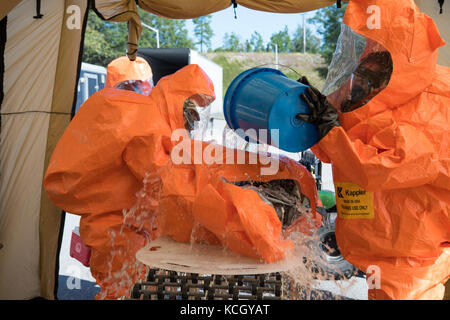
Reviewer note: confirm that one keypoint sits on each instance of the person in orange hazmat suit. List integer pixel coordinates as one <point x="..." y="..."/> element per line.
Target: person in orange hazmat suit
<point x="384" y="124"/>
<point x="92" y="174"/>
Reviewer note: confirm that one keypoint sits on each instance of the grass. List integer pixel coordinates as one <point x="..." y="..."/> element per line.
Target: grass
<point x="291" y="64"/>
<point x="231" y="69"/>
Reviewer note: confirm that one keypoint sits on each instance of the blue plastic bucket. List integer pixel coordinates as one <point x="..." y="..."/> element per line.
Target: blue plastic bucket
<point x="264" y="98"/>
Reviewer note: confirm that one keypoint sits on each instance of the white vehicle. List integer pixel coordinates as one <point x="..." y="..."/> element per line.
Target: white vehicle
<point x="92" y="79"/>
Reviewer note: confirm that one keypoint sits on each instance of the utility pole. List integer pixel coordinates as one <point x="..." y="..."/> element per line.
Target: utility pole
<point x="304" y="32"/>
<point x="155" y="30"/>
<point x="201" y="38"/>
<point x="276" y="56"/>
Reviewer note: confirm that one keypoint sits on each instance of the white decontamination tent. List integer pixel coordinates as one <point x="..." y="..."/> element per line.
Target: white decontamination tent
<point x="40" y="59"/>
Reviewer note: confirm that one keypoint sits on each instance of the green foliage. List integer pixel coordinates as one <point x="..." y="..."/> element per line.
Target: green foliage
<point x="282" y="40"/>
<point x="294" y="43"/>
<point x="203" y="31"/>
<point x="329" y="20"/>
<point x="256" y="42"/>
<point x="105" y="41"/>
<point x="232" y="42"/>
<point x="312" y="41"/>
<point x="247" y="46"/>
<point x="172" y="32"/>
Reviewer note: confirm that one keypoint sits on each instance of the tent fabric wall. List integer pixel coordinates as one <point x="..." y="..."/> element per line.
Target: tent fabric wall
<point x="41" y="57"/>
<point x="62" y="109"/>
<point x="442" y="21"/>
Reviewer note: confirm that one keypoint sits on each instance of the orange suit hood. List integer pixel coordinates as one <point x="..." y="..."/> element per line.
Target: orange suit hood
<point x="123" y="69"/>
<point x="412" y="39"/>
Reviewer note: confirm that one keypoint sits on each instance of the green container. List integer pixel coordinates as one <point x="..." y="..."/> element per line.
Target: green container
<point x="328" y="198"/>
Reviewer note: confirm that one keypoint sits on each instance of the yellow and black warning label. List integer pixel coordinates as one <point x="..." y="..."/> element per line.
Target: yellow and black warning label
<point x="353" y="202"/>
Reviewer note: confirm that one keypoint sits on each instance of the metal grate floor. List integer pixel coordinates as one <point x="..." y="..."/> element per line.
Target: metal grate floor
<point x="171" y="285"/>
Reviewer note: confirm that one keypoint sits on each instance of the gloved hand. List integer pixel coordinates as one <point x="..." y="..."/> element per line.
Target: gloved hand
<point x="323" y="114"/>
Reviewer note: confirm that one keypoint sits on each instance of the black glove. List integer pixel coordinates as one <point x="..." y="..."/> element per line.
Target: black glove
<point x="323" y="114"/>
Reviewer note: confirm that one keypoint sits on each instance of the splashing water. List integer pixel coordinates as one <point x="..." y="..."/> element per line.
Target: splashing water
<point x="321" y="258"/>
<point x="297" y="284"/>
<point x="320" y="263"/>
<point x="138" y="228"/>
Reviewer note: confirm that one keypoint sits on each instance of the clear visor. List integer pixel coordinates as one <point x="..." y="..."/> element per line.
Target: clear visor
<point x="196" y="114"/>
<point x="139" y="86"/>
<point x="360" y="69"/>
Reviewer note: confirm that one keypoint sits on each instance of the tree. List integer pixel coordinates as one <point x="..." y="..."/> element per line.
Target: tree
<point x="248" y="46"/>
<point x="203" y="31"/>
<point x="282" y="39"/>
<point x="329" y="20"/>
<point x="232" y="42"/>
<point x="312" y="41"/>
<point x="172" y="32"/>
<point x="256" y="42"/>
<point x="105" y="41"/>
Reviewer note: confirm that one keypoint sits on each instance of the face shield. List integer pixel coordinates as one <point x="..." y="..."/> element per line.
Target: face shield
<point x="196" y="114"/>
<point x="139" y="86"/>
<point x="360" y="69"/>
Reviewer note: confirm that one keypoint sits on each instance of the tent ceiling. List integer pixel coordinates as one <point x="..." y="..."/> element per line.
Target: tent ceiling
<point x="187" y="9"/>
<point x="126" y="10"/>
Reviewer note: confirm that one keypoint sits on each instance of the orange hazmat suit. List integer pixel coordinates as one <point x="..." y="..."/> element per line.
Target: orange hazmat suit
<point x="199" y="202"/>
<point x="92" y="174"/>
<point x="391" y="160"/>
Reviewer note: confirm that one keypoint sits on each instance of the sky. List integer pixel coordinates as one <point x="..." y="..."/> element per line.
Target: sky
<point x="248" y="21"/>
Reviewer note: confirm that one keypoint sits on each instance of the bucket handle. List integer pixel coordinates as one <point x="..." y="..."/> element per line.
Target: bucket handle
<point x="276" y="64"/>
